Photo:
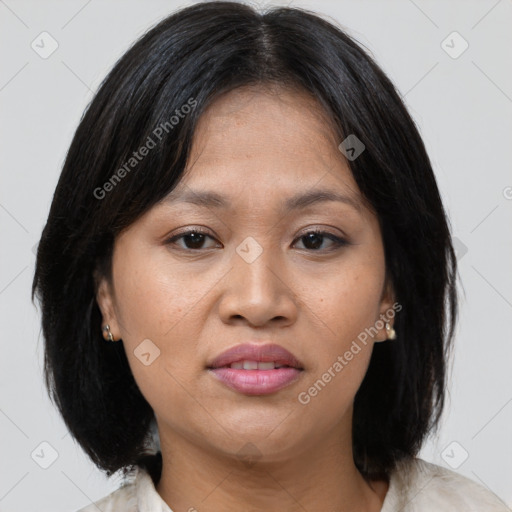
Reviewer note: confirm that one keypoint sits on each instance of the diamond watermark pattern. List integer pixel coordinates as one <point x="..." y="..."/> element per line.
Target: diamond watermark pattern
<point x="44" y="455"/>
<point x="460" y="248"/>
<point x="454" y="45"/>
<point x="146" y="352"/>
<point x="44" y="45"/>
<point x="249" y="250"/>
<point x="249" y="454"/>
<point x="351" y="147"/>
<point x="454" y="455"/>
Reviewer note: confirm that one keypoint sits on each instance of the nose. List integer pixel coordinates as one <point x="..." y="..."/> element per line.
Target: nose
<point x="258" y="293"/>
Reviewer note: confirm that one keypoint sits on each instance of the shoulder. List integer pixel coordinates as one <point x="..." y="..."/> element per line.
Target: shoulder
<point x="137" y="493"/>
<point x="123" y="499"/>
<point x="417" y="485"/>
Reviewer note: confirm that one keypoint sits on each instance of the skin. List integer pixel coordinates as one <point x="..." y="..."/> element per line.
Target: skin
<point x="257" y="146"/>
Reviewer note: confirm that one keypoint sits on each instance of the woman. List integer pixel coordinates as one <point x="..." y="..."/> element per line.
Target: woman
<point x="246" y="262"/>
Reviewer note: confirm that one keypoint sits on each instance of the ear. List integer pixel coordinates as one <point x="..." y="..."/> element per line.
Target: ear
<point x="388" y="296"/>
<point x="106" y="303"/>
<point x="387" y="311"/>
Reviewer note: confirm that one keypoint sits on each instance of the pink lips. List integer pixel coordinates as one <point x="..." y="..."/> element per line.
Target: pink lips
<point x="256" y="381"/>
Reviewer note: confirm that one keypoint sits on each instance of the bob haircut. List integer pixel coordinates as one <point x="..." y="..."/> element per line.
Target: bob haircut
<point x="190" y="58"/>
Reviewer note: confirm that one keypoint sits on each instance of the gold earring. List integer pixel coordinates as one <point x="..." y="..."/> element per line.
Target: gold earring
<point x="391" y="334"/>
<point x="107" y="334"/>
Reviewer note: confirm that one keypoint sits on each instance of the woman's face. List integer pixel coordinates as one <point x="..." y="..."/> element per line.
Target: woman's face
<point x="253" y="276"/>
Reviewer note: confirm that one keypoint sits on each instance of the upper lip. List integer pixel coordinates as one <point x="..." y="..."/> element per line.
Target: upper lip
<point x="256" y="352"/>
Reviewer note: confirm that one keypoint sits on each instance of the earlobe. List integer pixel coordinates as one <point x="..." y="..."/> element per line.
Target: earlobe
<point x="105" y="302"/>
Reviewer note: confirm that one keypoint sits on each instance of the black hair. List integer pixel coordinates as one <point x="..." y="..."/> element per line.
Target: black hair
<point x="190" y="58"/>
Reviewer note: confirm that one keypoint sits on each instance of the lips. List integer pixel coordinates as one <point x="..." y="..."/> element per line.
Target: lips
<point x="254" y="369"/>
<point x="249" y="353"/>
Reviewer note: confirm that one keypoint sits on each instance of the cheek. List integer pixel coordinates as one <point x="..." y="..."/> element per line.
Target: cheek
<point x="153" y="299"/>
<point x="160" y="325"/>
<point x="341" y="358"/>
<point x="346" y="307"/>
<point x="347" y="302"/>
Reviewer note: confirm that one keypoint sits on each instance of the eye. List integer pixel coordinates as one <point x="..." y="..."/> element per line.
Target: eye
<point x="315" y="238"/>
<point x="193" y="239"/>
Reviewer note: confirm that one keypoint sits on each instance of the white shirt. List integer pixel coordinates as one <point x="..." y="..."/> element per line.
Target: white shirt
<point x="415" y="486"/>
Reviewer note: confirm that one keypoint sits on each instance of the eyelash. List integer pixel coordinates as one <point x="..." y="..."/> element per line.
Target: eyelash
<point x="338" y="242"/>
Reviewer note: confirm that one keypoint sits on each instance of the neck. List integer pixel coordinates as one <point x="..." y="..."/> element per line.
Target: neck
<point x="321" y="477"/>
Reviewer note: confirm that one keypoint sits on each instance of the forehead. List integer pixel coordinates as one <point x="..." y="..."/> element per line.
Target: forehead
<point x="255" y="118"/>
<point x="266" y="142"/>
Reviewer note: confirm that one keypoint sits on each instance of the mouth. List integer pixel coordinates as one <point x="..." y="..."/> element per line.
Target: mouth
<point x="256" y="365"/>
<point x="250" y="355"/>
<point x="255" y="369"/>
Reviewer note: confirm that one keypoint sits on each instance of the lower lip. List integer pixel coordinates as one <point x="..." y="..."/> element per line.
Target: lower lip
<point x="257" y="382"/>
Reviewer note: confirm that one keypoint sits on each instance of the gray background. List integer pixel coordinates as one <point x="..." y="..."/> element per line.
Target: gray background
<point x="463" y="108"/>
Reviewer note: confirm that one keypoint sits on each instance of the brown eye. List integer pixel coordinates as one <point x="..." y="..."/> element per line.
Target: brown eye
<point x="313" y="240"/>
<point x="192" y="239"/>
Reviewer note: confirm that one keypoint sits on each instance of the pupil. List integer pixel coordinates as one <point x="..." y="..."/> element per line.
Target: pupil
<point x="314" y="237"/>
<point x="196" y="239"/>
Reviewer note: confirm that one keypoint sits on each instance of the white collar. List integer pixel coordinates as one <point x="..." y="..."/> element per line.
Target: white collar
<point x="148" y="499"/>
<point x="414" y="484"/>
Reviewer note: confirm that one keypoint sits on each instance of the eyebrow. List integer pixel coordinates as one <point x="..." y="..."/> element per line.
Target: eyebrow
<point x="210" y="199"/>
